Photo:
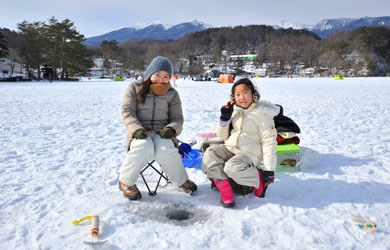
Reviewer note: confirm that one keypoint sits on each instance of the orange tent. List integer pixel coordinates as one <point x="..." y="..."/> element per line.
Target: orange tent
<point x="225" y="79"/>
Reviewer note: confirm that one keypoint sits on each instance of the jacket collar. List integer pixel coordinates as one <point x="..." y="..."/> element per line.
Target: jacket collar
<point x="262" y="106"/>
<point x="242" y="110"/>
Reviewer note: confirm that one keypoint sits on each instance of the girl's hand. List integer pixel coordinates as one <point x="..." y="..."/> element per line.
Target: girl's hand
<point x="227" y="111"/>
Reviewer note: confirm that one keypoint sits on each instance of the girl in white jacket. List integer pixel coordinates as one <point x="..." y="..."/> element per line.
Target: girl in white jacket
<point x="247" y="127"/>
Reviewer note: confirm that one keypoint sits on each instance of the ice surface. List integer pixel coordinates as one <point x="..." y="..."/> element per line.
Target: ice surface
<point x="64" y="142"/>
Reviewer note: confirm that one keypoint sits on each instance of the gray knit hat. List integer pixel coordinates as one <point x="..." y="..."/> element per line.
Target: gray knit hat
<point x="159" y="63"/>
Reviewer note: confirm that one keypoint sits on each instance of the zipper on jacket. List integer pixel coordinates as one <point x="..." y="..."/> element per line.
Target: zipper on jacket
<point x="154" y="106"/>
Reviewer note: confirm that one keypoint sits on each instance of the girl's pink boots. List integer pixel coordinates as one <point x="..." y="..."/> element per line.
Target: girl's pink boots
<point x="227" y="196"/>
<point x="259" y="191"/>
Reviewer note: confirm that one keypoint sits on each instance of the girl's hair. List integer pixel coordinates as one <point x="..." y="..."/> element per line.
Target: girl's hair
<point x="143" y="91"/>
<point x="249" y="84"/>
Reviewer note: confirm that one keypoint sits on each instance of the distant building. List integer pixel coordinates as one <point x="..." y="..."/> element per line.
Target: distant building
<point x="309" y="71"/>
<point x="248" y="57"/>
<point x="98" y="63"/>
<point x="8" y="66"/>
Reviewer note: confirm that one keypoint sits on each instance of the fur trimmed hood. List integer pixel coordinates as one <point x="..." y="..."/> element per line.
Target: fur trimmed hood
<point x="264" y="107"/>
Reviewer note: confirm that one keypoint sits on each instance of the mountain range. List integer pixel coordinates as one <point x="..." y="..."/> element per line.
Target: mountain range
<point x="328" y="26"/>
<point x="160" y="31"/>
<point x="157" y="30"/>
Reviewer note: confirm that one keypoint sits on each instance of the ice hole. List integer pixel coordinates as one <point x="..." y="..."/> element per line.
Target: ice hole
<point x="176" y="214"/>
<point x="179" y="215"/>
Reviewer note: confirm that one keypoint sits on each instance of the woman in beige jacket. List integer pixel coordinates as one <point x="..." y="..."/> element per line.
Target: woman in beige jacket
<point x="247" y="127"/>
<point x="152" y="115"/>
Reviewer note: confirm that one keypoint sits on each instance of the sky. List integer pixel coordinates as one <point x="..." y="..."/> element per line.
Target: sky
<point x="96" y="17"/>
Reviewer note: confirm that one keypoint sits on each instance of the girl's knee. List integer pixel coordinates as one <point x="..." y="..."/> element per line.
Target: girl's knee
<point x="212" y="151"/>
<point x="236" y="165"/>
<point x="229" y="170"/>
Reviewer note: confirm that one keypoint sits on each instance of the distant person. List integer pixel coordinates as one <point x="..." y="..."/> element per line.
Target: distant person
<point x="247" y="127"/>
<point x="152" y="114"/>
<point x="173" y="79"/>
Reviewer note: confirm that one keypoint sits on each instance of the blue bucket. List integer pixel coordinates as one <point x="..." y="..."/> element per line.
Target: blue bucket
<point x="195" y="161"/>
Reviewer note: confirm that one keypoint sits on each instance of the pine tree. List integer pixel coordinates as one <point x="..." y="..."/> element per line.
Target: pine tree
<point x="3" y="46"/>
<point x="57" y="44"/>
<point x="74" y="55"/>
<point x="55" y="37"/>
<point x="31" y="45"/>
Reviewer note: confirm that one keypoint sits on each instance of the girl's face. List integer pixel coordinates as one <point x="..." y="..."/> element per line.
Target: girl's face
<point x="161" y="77"/>
<point x="243" y="96"/>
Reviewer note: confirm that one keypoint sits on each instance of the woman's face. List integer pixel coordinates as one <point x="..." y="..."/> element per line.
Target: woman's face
<point x="161" y="77"/>
<point x="243" y="96"/>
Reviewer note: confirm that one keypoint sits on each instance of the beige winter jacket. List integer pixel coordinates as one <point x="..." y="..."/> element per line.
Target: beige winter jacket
<point x="158" y="112"/>
<point x="253" y="133"/>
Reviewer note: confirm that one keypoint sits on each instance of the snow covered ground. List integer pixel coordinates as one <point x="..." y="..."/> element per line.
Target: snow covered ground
<point x="64" y="142"/>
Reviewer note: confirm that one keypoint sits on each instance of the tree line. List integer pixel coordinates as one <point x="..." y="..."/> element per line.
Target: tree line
<point x="56" y="44"/>
<point x="367" y="47"/>
<point x="347" y="52"/>
<point x="4" y="51"/>
<point x="59" y="45"/>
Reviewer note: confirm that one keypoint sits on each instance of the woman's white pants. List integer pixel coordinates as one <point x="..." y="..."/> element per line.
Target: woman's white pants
<point x="163" y="151"/>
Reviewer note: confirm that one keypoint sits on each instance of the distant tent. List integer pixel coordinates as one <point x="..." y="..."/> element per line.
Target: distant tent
<point x="119" y="78"/>
<point x="251" y="58"/>
<point x="225" y="79"/>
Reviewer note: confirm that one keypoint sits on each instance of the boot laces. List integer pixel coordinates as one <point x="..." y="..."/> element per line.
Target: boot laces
<point x="187" y="184"/>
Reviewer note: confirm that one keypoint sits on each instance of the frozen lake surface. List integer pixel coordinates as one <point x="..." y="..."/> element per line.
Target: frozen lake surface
<point x="64" y="142"/>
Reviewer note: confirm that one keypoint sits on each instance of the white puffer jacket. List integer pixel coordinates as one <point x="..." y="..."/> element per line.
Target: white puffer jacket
<point x="253" y="133"/>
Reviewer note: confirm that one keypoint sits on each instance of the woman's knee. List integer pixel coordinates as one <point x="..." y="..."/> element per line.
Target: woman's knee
<point x="166" y="149"/>
<point x="142" y="146"/>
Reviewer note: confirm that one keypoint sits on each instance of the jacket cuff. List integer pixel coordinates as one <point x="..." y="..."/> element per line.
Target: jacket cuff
<point x="224" y="123"/>
<point x="176" y="127"/>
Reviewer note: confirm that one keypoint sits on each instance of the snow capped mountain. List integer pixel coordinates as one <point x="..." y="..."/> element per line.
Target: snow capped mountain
<point x="199" y="23"/>
<point x="327" y="26"/>
<point x="140" y="26"/>
<point x="285" y="24"/>
<point x="155" y="30"/>
<point x="160" y="31"/>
